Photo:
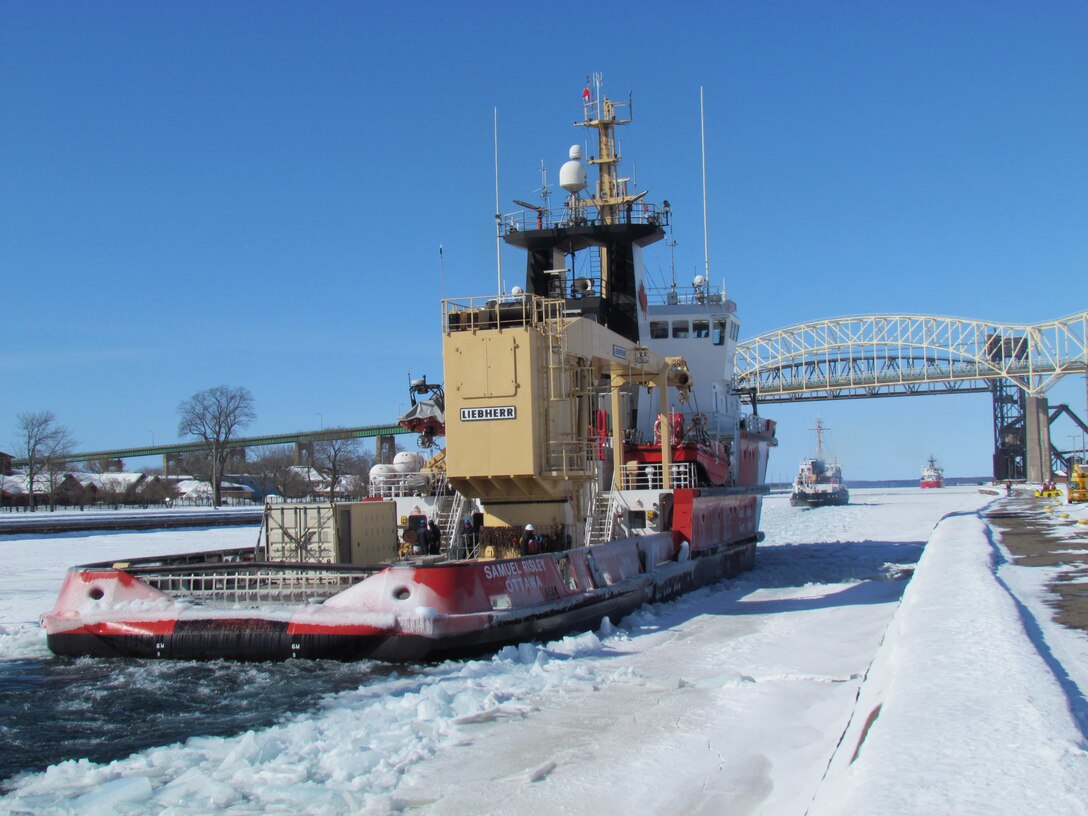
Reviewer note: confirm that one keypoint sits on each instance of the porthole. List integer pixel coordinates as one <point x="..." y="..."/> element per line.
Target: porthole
<point x="402" y="593"/>
<point x="96" y="593"/>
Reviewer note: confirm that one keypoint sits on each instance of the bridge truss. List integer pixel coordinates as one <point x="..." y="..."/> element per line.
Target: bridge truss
<point x="909" y="355"/>
<point x="904" y="355"/>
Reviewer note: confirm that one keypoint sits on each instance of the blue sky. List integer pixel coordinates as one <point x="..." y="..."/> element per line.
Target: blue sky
<point x="254" y="193"/>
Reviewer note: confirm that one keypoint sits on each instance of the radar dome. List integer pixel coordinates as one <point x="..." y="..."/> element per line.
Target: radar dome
<point x="517" y="291"/>
<point x="699" y="280"/>
<point x="572" y="175"/>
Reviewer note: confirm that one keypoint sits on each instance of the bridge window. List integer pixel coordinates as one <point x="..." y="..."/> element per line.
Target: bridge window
<point x="700" y="328"/>
<point x="680" y="329"/>
<point x="719" y="332"/>
<point x="659" y="329"/>
<point x="734" y="330"/>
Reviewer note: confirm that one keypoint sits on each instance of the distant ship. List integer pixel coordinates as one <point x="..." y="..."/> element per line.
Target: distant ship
<point x="819" y="482"/>
<point x="932" y="474"/>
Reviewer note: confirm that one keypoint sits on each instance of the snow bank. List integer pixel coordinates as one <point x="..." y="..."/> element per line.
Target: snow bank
<point x="961" y="711"/>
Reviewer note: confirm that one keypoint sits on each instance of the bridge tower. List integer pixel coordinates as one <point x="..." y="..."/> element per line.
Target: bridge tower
<point x="1009" y="446"/>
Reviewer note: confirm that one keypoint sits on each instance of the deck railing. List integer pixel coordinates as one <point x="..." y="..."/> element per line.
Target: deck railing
<point x="244" y="584"/>
<point x="648" y="477"/>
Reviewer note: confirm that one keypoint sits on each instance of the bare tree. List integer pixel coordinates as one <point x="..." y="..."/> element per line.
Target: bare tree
<point x="112" y="490"/>
<point x="196" y="465"/>
<point x="333" y="458"/>
<point x="276" y="472"/>
<point x="215" y="415"/>
<point x="359" y="474"/>
<point x="104" y="465"/>
<point x="156" y="490"/>
<point x="43" y="444"/>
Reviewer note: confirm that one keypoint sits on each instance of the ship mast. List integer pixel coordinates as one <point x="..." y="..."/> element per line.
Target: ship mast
<point x="606" y="220"/>
<point x="612" y="201"/>
<point x="819" y="438"/>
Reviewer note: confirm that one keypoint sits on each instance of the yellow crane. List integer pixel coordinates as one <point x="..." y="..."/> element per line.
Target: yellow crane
<point x="1078" y="484"/>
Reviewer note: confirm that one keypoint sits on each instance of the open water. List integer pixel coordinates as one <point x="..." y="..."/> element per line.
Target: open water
<point x="53" y="709"/>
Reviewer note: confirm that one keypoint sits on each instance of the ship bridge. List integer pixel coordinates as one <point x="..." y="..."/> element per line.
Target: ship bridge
<point x="910" y="355"/>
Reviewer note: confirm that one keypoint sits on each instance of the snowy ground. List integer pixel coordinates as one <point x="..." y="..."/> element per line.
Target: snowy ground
<point x="813" y="684"/>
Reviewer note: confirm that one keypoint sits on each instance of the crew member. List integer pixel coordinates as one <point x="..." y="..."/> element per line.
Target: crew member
<point x="435" y="537"/>
<point x="528" y="541"/>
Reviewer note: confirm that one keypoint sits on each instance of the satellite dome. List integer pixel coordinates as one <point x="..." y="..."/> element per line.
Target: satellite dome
<point x="699" y="280"/>
<point x="572" y="175"/>
<point x="517" y="291"/>
<point x="529" y="528"/>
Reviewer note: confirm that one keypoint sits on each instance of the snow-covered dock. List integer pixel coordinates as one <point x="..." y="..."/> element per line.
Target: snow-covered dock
<point x="67" y="521"/>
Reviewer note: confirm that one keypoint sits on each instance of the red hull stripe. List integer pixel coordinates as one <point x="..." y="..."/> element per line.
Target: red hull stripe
<point x="123" y="628"/>
<point x="355" y="630"/>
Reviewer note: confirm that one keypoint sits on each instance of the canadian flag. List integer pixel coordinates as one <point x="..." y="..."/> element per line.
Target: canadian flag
<point x="585" y="94"/>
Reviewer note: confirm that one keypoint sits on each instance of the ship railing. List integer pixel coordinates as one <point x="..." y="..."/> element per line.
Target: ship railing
<point x="252" y="584"/>
<point x="704" y="294"/>
<point x="570" y="457"/>
<point x="498" y="312"/>
<point x="586" y="215"/>
<point x="402" y="484"/>
<point x="754" y="423"/>
<point x="648" y="477"/>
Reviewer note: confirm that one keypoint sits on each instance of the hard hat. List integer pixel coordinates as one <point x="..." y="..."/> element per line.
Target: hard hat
<point x="529" y="527"/>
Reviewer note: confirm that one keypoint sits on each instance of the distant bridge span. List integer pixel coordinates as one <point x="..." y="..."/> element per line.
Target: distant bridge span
<point x="241" y="442"/>
<point x="907" y="355"/>
<point x="910" y="355"/>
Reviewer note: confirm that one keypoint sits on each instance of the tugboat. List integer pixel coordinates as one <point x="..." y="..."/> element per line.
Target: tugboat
<point x="595" y="459"/>
<point x="932" y="474"/>
<point x="819" y="482"/>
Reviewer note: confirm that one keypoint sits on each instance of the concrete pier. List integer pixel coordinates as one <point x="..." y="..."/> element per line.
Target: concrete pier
<point x="1033" y="542"/>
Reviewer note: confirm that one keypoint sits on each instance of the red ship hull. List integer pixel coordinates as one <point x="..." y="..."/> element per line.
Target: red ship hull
<point x="413" y="612"/>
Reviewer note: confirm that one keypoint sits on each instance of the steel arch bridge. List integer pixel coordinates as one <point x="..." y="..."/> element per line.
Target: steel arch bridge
<point x="906" y="355"/>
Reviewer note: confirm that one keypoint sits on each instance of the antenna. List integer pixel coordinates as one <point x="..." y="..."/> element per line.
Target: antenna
<point x="442" y="271"/>
<point x="706" y="233"/>
<point x="545" y="191"/>
<point x="498" y="214"/>
<point x="671" y="244"/>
